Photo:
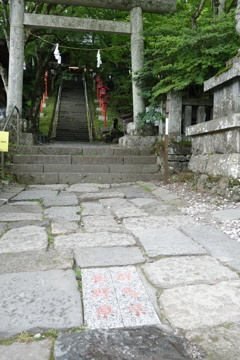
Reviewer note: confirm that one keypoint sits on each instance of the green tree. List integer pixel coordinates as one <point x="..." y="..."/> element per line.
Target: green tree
<point x="186" y="48"/>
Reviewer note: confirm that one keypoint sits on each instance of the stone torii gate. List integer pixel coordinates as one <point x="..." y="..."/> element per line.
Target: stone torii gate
<point x="134" y="28"/>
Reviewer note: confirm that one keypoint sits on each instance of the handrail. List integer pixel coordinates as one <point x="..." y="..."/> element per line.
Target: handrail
<point x="9" y="119"/>
<point x="88" y="112"/>
<point x="56" y="113"/>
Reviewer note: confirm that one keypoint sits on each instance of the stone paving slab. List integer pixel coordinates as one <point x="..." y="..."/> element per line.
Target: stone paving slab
<point x="155" y="222"/>
<point x="3" y="227"/>
<point x="60" y="227"/>
<point x="19" y="213"/>
<point x="18" y="224"/>
<point x="36" y="350"/>
<point x="93" y="208"/>
<point x="161" y="209"/>
<point x="35" y="194"/>
<point x="100" y="239"/>
<point x="129" y="211"/>
<point x="101" y="223"/>
<point x="143" y="201"/>
<point x="86" y="188"/>
<point x="68" y="213"/>
<point x="145" y="343"/>
<point x="228" y="214"/>
<point x="197" y="306"/>
<point x="131" y="192"/>
<point x="220" y="343"/>
<point x="167" y="241"/>
<point x="113" y="256"/>
<point x="27" y="261"/>
<point x="116" y="297"/>
<point x="218" y="244"/>
<point x="56" y="187"/>
<point x="114" y="203"/>
<point x="62" y="199"/>
<point x="187" y="270"/>
<point x="100" y="195"/>
<point x="39" y="301"/>
<point x="28" y="238"/>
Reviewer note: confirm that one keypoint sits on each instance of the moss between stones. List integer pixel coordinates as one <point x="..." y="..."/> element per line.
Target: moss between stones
<point x="223" y="70"/>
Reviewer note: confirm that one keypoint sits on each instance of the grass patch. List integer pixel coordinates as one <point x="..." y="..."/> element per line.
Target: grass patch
<point x="45" y="122"/>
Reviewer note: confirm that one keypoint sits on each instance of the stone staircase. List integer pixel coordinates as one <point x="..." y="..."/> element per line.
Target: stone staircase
<point x="72" y="121"/>
<point x="53" y="164"/>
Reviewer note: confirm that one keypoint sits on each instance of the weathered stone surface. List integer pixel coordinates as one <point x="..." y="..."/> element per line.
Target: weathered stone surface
<point x="69" y="213"/>
<point x="28" y="238"/>
<point x="63" y="199"/>
<point x="228" y="214"/>
<point x="55" y="187"/>
<point x="101" y="239"/>
<point x="129" y="211"/>
<point x="63" y="227"/>
<point x="145" y="343"/>
<point x="113" y="256"/>
<point x="19" y="213"/>
<point x="167" y="241"/>
<point x="155" y="222"/>
<point x="134" y="191"/>
<point x="187" y="270"/>
<point x="101" y="195"/>
<point x="85" y="188"/>
<point x="101" y="223"/>
<point x="2" y="228"/>
<point x="197" y="306"/>
<point x="143" y="201"/>
<point x="18" y="224"/>
<point x="216" y="243"/>
<point x="116" y="297"/>
<point x="161" y="209"/>
<point x="39" y="301"/>
<point x="37" y="350"/>
<point x="93" y="208"/>
<point x="35" y="261"/>
<point x="220" y="343"/>
<point x="33" y="194"/>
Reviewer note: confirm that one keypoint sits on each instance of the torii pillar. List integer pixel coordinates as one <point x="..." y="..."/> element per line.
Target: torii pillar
<point x="16" y="56"/>
<point x="136" y="7"/>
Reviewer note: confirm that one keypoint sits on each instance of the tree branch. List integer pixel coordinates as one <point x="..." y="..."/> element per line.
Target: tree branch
<point x="197" y="13"/>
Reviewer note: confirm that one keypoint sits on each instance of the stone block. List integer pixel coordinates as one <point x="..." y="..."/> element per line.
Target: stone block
<point x="216" y="243"/>
<point x="187" y="270"/>
<point x="69" y="213"/>
<point x="101" y="223"/>
<point x="39" y="350"/>
<point x="112" y="256"/>
<point x="166" y="241"/>
<point x="120" y="343"/>
<point x="39" y="301"/>
<point x="76" y="178"/>
<point x="198" y="306"/>
<point x="37" y="178"/>
<point x="93" y="151"/>
<point x="97" y="160"/>
<point x="140" y="160"/>
<point x="27" y="261"/>
<point x="44" y="159"/>
<point x="28" y="238"/>
<point x="133" y="169"/>
<point x="76" y="168"/>
<point x="99" y="239"/>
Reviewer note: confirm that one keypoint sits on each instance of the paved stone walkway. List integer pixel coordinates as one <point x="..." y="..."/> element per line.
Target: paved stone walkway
<point x="115" y="272"/>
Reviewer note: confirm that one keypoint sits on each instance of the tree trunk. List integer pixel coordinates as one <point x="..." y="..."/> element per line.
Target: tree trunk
<point x="4" y="75"/>
<point x="237" y="17"/>
<point x="197" y="13"/>
<point x="222" y="7"/>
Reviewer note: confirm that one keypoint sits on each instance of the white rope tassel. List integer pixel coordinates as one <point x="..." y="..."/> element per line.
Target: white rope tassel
<point x="99" y="61"/>
<point x="57" y="55"/>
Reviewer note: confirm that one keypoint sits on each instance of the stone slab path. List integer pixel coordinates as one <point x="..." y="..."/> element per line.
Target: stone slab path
<point x="115" y="272"/>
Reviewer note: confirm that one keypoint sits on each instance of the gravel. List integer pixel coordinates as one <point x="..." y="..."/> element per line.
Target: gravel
<point x="202" y="204"/>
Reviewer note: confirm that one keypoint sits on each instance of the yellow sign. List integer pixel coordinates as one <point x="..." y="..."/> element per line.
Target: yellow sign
<point x="4" y="136"/>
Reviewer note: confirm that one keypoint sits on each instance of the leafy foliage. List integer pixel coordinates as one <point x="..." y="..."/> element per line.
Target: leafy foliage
<point x="180" y="54"/>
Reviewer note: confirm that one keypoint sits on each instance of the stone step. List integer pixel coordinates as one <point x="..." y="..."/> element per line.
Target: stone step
<point x="85" y="168"/>
<point x="74" y="178"/>
<point x="93" y="150"/>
